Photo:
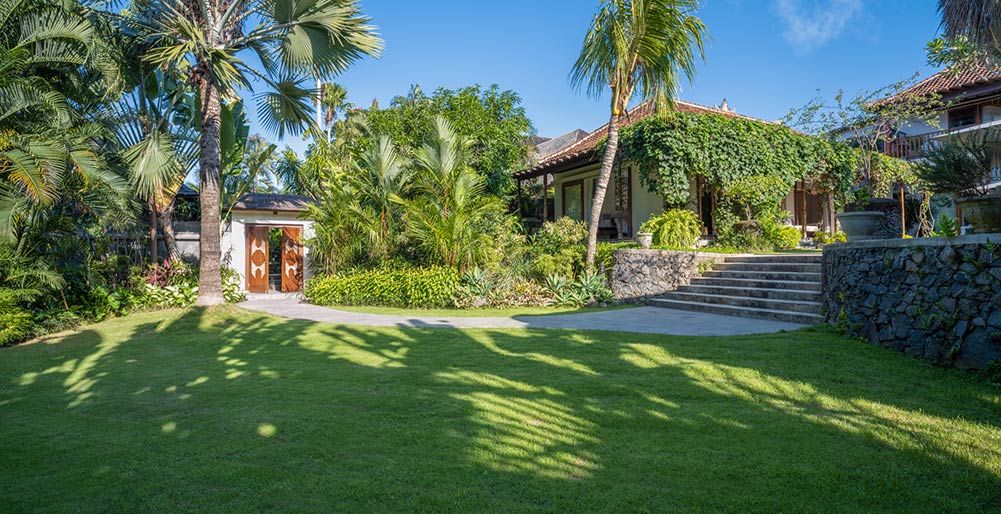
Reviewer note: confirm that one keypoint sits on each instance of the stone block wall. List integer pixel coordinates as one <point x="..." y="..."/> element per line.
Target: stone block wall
<point x="936" y="298"/>
<point x="639" y="274"/>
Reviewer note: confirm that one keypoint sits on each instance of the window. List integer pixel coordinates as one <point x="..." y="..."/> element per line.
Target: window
<point x="963" y="117"/>
<point x="573" y="200"/>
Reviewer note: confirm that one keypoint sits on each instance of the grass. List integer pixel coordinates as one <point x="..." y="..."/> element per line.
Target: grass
<point x="225" y="410"/>
<point x="492" y="312"/>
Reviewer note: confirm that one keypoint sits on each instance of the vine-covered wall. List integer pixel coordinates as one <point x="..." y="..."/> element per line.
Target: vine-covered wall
<point x="761" y="160"/>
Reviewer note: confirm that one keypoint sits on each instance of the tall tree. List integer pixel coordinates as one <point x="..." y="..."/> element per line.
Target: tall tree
<point x="976" y="22"/>
<point x="213" y="39"/>
<point x="635" y="47"/>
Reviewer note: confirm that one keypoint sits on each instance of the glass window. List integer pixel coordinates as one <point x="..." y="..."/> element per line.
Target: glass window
<point x="962" y="117"/>
<point x="573" y="200"/>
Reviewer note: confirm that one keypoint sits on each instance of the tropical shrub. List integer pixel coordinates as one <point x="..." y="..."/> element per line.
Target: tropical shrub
<point x="16" y="324"/>
<point x="825" y="238"/>
<point x="946" y="226"/>
<point x="401" y="287"/>
<point x="562" y="233"/>
<point x="780" y="236"/>
<point x="675" y="228"/>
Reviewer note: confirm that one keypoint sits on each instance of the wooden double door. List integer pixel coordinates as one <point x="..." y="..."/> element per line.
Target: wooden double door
<point x="258" y="251"/>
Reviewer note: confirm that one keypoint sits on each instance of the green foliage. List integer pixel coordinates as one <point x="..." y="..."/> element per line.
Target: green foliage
<point x="562" y="233"/>
<point x="782" y="237"/>
<point x="672" y="149"/>
<point x="176" y="285"/>
<point x="946" y="226"/>
<point x="822" y="238"/>
<point x="960" y="166"/>
<point x="757" y="196"/>
<point x="558" y="247"/>
<point x="675" y="228"/>
<point x="16" y="324"/>
<point x="493" y="119"/>
<point x="760" y="236"/>
<point x="604" y="252"/>
<point x="589" y="287"/>
<point x="395" y="287"/>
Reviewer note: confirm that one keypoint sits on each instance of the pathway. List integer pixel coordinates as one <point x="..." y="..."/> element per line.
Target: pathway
<point x="649" y="320"/>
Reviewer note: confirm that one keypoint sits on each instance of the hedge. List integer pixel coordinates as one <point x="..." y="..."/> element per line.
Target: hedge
<point x="402" y="287"/>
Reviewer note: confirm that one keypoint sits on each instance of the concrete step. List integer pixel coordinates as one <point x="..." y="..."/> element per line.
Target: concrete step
<point x="798" y="285"/>
<point x="733" y="310"/>
<point x="765" y="275"/>
<point x="755" y="292"/>
<point x="789" y="258"/>
<point x="769" y="266"/>
<point x="745" y="301"/>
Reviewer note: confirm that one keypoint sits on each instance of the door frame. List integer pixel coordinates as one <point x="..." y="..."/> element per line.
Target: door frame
<point x="248" y="228"/>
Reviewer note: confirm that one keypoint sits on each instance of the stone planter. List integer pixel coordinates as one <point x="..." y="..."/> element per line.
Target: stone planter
<point x="859" y="226"/>
<point x="645" y="239"/>
<point x="983" y="213"/>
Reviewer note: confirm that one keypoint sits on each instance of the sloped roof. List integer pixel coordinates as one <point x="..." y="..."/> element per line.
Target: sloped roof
<point x="947" y="82"/>
<point x="272" y="202"/>
<point x="585" y="149"/>
<point x="551" y="146"/>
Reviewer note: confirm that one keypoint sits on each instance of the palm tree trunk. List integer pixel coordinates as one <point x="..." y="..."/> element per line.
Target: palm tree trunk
<point x="153" y="253"/>
<point x="210" y="272"/>
<point x="166" y="216"/>
<point x="599" y="192"/>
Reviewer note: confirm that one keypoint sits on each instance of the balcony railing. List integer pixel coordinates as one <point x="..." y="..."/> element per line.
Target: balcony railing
<point x="912" y="147"/>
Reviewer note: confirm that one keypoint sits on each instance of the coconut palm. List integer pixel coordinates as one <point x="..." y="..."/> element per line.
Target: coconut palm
<point x="978" y="21"/>
<point x="213" y="41"/>
<point x="635" y="47"/>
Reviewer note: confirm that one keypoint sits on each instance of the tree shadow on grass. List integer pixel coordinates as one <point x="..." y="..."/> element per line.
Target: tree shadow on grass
<point x="224" y="410"/>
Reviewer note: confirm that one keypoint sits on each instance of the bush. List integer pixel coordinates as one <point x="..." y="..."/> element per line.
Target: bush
<point x="16" y="324"/>
<point x="402" y="287"/>
<point x="781" y="237"/>
<point x="675" y="228"/>
<point x="603" y="254"/>
<point x="176" y="285"/>
<point x="946" y="226"/>
<point x="557" y="235"/>
<point x="826" y="238"/>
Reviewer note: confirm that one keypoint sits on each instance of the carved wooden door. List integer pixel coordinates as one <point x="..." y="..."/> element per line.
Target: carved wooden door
<point x="291" y="259"/>
<point x="257" y="259"/>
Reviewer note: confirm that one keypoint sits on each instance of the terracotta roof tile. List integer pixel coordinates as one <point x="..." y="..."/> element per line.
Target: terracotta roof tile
<point x="946" y="81"/>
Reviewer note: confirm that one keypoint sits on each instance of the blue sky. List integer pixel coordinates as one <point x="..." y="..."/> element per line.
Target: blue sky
<point x="764" y="56"/>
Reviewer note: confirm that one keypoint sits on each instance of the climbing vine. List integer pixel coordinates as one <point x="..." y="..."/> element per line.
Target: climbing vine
<point x="747" y="162"/>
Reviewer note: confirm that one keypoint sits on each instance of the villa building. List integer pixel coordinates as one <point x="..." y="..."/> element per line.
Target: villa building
<point x="571" y="174"/>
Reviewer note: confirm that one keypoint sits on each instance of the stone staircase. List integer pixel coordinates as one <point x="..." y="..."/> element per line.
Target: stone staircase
<point x="776" y="287"/>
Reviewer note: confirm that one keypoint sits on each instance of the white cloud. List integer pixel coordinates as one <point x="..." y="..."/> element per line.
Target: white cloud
<point x="812" y="23"/>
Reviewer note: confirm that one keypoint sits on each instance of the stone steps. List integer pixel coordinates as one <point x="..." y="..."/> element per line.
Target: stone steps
<point x="749" y="283"/>
<point x="769" y="266"/>
<point x="744" y="312"/>
<point x="775" y="287"/>
<point x="765" y="275"/>
<point x="756" y="292"/>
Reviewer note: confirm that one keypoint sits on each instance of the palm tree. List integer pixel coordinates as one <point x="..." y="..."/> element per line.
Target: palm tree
<point x="635" y="47"/>
<point x="979" y="21"/>
<point x="446" y="214"/>
<point x="55" y="71"/>
<point x="213" y="40"/>
<point x="382" y="177"/>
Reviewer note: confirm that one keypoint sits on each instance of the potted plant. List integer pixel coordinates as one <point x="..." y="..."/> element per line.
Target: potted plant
<point x="964" y="168"/>
<point x="857" y="223"/>
<point x="645" y="239"/>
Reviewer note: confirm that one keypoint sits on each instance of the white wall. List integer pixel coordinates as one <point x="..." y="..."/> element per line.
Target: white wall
<point x="234" y="238"/>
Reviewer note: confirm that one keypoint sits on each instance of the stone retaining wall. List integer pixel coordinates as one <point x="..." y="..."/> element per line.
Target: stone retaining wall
<point x="640" y="274"/>
<point x="936" y="298"/>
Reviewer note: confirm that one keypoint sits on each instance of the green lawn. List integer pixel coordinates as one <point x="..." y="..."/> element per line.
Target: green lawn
<point x="230" y="411"/>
